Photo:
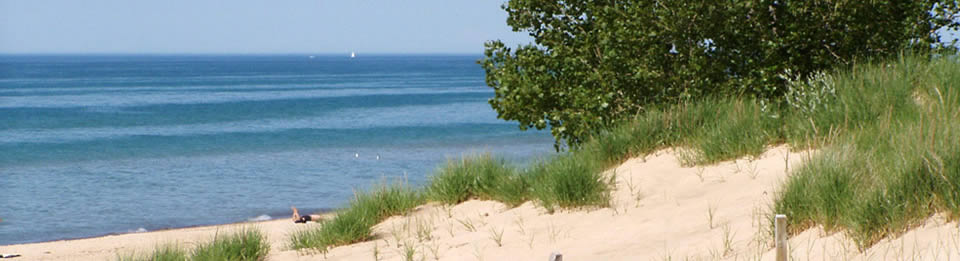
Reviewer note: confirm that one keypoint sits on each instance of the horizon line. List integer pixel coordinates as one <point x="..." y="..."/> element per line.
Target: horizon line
<point x="234" y="54"/>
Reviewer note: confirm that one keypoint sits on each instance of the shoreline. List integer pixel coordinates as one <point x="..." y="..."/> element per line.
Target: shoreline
<point x="109" y="247"/>
<point x="138" y="232"/>
<point x="320" y="211"/>
<point x="659" y="209"/>
<point x="466" y="230"/>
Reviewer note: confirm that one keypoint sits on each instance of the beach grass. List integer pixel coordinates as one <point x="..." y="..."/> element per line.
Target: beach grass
<point x="888" y="135"/>
<point x="245" y="244"/>
<point x="565" y="181"/>
<point x="166" y="252"/>
<point x="569" y="181"/>
<point x="354" y="223"/>
<point x="480" y="176"/>
<point x="890" y="145"/>
<point x="707" y="131"/>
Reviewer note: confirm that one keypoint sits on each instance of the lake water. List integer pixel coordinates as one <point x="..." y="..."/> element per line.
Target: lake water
<point x="93" y="145"/>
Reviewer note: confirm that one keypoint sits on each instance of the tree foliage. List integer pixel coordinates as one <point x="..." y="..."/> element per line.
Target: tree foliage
<point x="594" y="63"/>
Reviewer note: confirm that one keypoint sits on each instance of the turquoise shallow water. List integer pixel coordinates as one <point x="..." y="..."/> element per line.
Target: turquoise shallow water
<point x="93" y="145"/>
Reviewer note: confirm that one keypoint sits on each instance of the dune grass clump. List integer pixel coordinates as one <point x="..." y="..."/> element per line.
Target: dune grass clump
<point x="890" y="142"/>
<point x="730" y="129"/>
<point x="566" y="181"/>
<point x="569" y="181"/>
<point x="643" y="135"/>
<point x="247" y="244"/>
<point x="354" y="223"/>
<point x="167" y="252"/>
<point x="709" y="130"/>
<point x="479" y="176"/>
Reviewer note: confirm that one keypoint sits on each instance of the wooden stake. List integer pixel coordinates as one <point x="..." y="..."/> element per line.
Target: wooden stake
<point x="556" y="256"/>
<point x="781" y="237"/>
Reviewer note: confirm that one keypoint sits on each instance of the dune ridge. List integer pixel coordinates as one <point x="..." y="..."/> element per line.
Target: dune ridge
<point x="660" y="210"/>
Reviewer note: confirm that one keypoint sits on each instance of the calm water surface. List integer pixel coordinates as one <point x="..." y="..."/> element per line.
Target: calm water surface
<point x="92" y="145"/>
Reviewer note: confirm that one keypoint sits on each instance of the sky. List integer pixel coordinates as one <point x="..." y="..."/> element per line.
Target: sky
<point x="252" y="26"/>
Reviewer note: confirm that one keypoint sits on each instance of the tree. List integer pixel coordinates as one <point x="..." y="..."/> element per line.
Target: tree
<point x="595" y="63"/>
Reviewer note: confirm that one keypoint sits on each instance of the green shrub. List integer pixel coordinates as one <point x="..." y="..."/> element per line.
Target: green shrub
<point x="595" y="64"/>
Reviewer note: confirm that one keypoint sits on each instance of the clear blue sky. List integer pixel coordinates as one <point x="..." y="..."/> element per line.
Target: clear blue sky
<point x="252" y="26"/>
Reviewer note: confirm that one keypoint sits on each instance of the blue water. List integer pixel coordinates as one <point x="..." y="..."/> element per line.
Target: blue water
<point x="94" y="145"/>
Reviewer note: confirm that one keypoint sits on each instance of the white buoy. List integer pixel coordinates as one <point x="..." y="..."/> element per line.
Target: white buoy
<point x="356" y="155"/>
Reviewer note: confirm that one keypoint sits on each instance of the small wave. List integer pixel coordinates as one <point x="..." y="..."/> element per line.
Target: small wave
<point x="401" y="116"/>
<point x="138" y="230"/>
<point x="263" y="217"/>
<point x="179" y="97"/>
<point x="130" y="86"/>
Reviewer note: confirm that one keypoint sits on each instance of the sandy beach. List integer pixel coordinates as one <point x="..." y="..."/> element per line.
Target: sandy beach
<point x="660" y="210"/>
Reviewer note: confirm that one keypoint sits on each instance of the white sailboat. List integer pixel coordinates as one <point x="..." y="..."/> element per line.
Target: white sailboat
<point x="353" y="55"/>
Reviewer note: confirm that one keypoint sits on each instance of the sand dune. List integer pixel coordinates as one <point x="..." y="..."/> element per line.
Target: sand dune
<point x="661" y="211"/>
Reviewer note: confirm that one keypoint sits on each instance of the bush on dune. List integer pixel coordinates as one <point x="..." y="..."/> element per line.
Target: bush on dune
<point x="595" y="64"/>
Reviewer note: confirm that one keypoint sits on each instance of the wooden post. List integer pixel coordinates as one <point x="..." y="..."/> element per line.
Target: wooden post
<point x="781" y="237"/>
<point x="556" y="256"/>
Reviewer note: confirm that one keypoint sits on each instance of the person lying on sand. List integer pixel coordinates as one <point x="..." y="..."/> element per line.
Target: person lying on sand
<point x="297" y="218"/>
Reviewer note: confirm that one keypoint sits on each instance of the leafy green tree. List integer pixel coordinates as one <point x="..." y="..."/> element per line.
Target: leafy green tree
<point x="594" y="63"/>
